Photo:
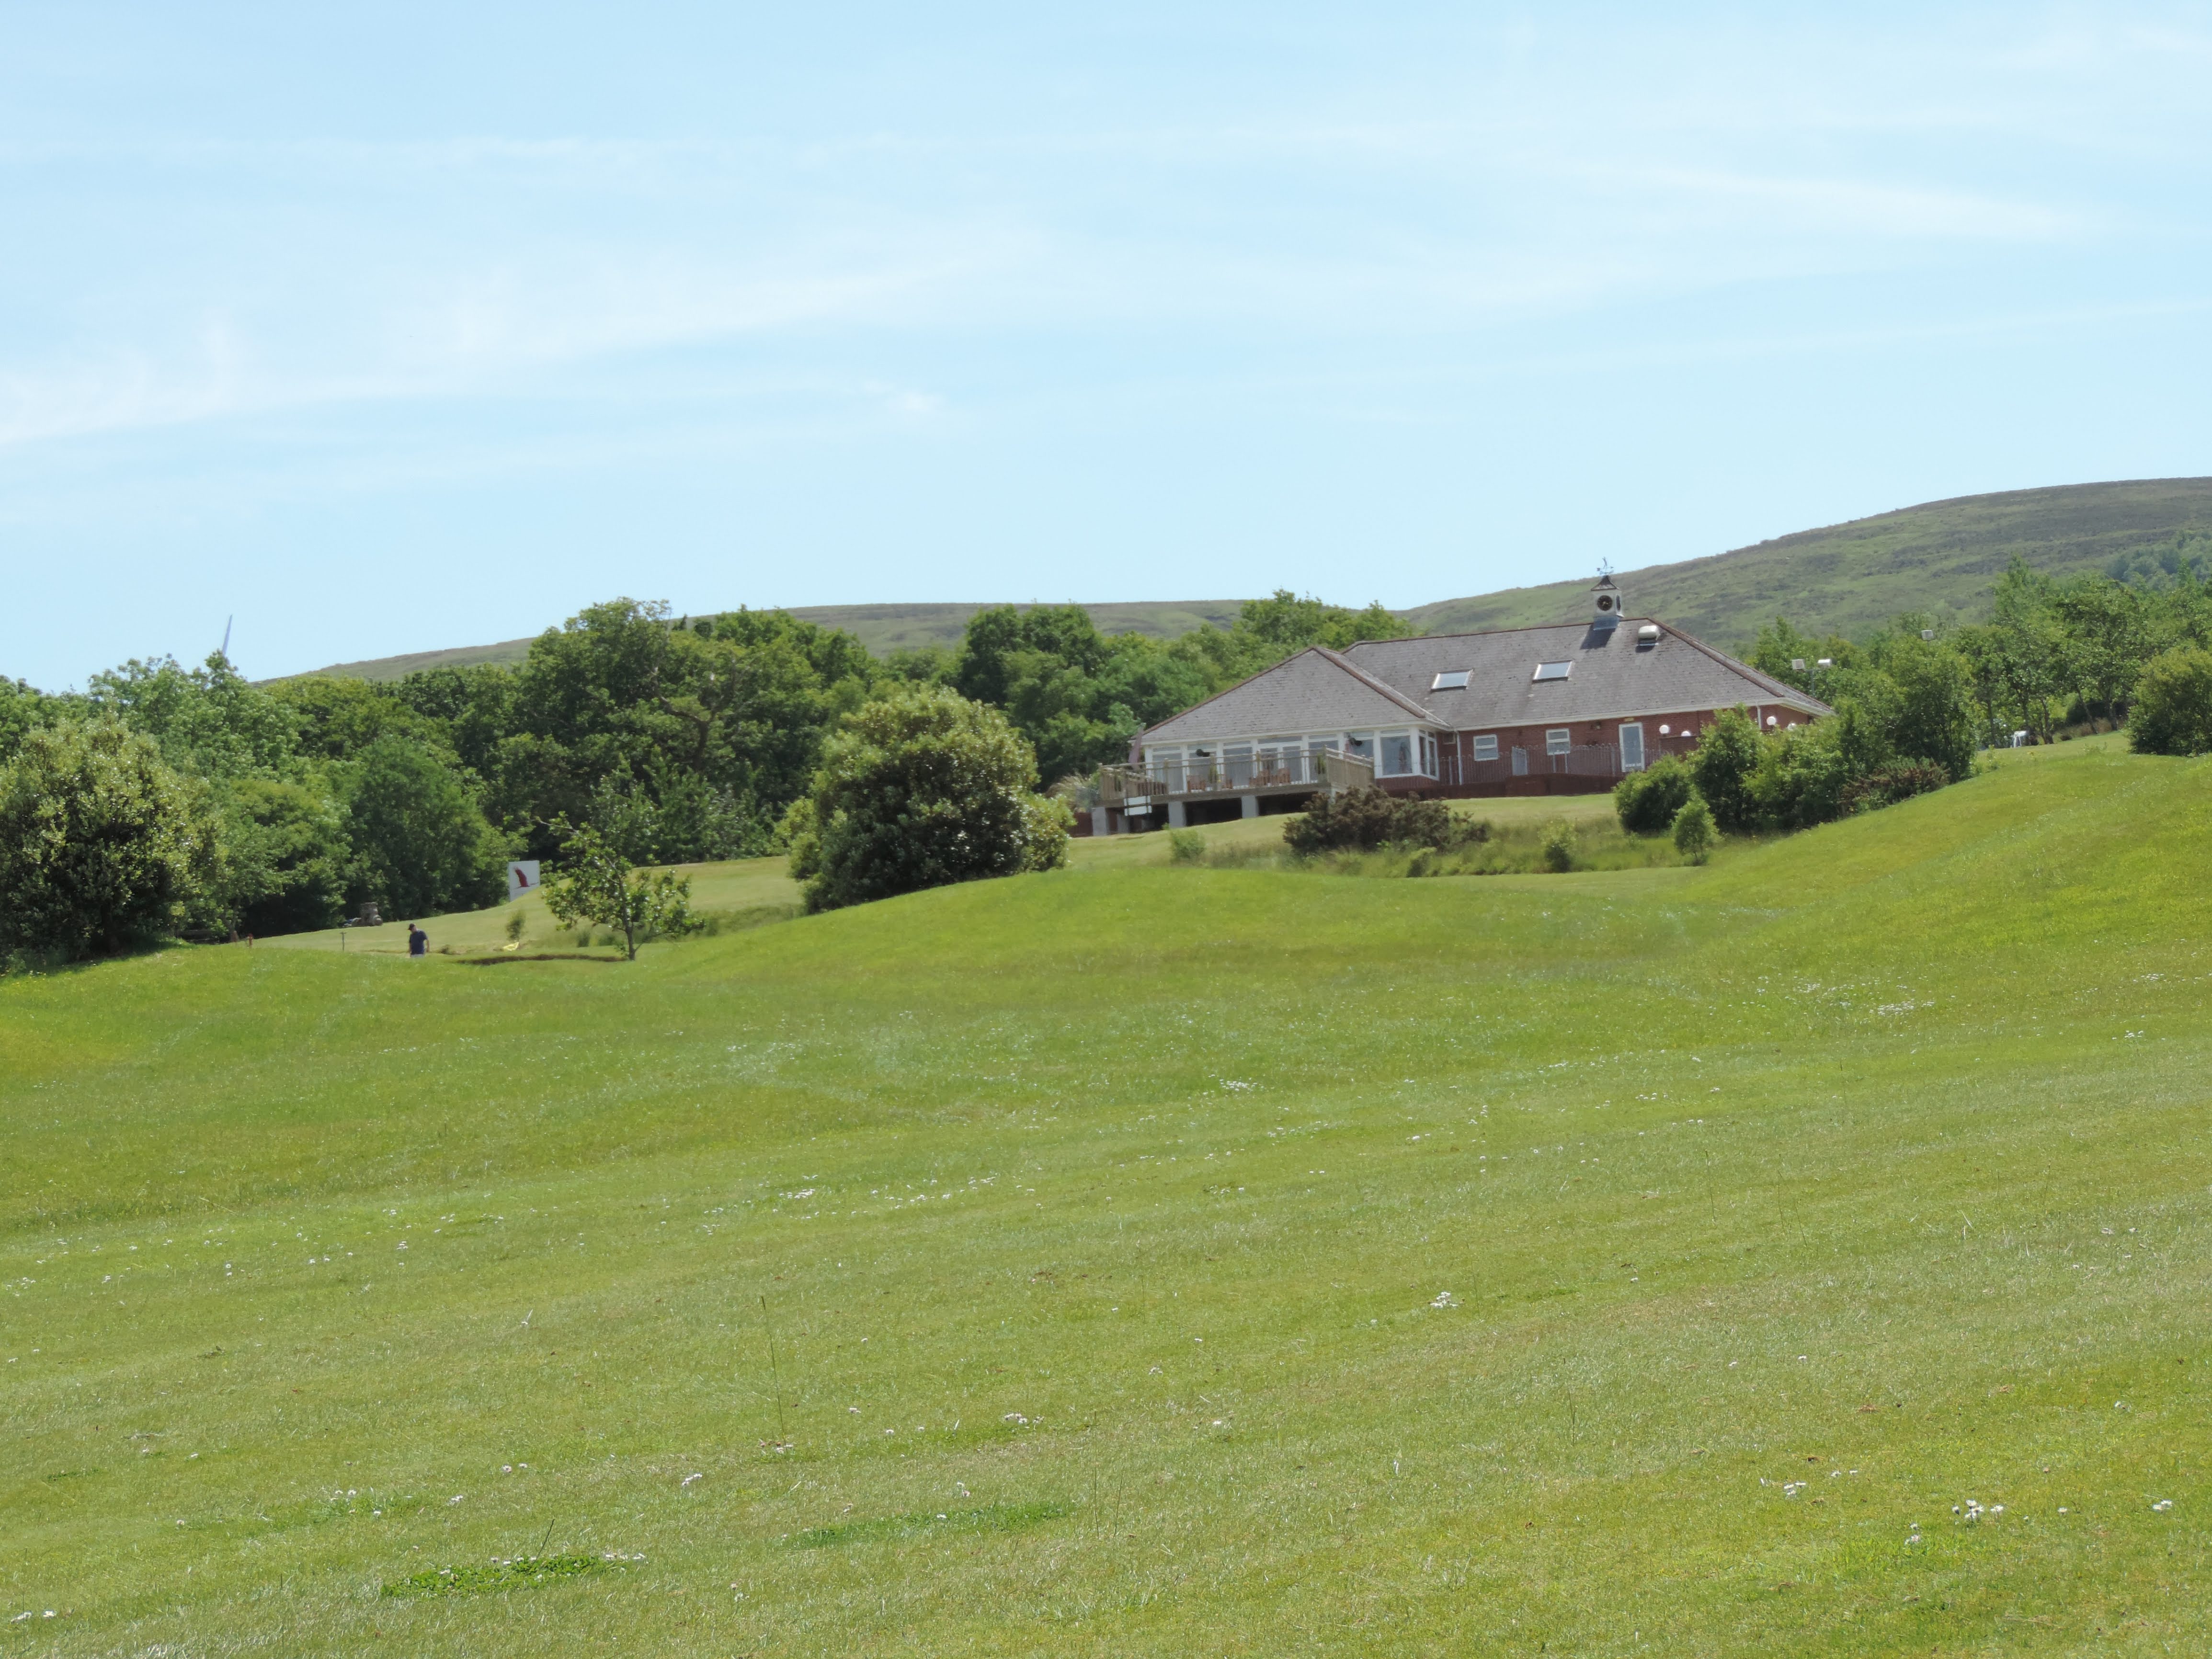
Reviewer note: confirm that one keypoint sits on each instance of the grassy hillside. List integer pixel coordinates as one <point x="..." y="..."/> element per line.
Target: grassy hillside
<point x="1942" y="556"/>
<point x="1805" y="1253"/>
<point x="882" y="628"/>
<point x="1852" y="578"/>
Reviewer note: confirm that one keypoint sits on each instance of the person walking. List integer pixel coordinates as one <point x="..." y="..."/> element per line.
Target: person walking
<point x="418" y="942"/>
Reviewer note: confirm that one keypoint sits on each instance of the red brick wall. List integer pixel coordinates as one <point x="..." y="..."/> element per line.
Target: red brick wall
<point x="1541" y="779"/>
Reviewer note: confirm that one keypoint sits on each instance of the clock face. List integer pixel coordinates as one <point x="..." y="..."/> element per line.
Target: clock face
<point x="1605" y="601"/>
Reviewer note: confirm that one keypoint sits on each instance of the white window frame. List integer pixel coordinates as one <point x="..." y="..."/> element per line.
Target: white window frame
<point x="1451" y="679"/>
<point x="1637" y="765"/>
<point x="1552" y="670"/>
<point x="1382" y="751"/>
<point x="1483" y="738"/>
<point x="1558" y="740"/>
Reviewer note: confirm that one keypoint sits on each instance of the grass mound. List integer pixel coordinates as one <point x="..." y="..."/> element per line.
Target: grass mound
<point x="1803" y="1252"/>
<point x="995" y="1517"/>
<point x="515" y="1573"/>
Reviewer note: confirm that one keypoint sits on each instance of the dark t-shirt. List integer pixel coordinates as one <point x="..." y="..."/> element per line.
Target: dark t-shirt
<point x="417" y="941"/>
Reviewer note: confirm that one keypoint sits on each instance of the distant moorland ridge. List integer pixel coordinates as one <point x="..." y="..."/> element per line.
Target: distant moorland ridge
<point x="1939" y="556"/>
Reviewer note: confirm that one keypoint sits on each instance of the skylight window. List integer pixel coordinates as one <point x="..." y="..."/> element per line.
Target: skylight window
<point x="1452" y="679"/>
<point x="1553" y="670"/>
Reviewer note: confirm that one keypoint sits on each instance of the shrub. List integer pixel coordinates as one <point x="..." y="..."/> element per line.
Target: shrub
<point x="1802" y="774"/>
<point x="1558" y="846"/>
<point x="101" y="844"/>
<point x="1647" y="801"/>
<point x="921" y="788"/>
<point x="2172" y="713"/>
<point x="1726" y="760"/>
<point x="1186" y="846"/>
<point x="1370" y="817"/>
<point x="1694" y="829"/>
<point x="1887" y="785"/>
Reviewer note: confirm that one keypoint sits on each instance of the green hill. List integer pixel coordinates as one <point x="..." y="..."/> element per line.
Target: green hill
<point x="1848" y="578"/>
<point x="1805" y="1253"/>
<point x="882" y="628"/>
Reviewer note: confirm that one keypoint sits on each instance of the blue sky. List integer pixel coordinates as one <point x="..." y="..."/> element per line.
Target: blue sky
<point x="410" y="327"/>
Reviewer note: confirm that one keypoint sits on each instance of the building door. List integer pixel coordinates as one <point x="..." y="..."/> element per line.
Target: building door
<point x="1520" y="762"/>
<point x="1631" y="748"/>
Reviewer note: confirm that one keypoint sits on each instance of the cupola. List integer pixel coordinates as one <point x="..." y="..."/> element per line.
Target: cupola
<point x="1605" y="602"/>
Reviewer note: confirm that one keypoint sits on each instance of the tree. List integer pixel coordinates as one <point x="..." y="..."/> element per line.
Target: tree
<point x="1694" y="829"/>
<point x="1723" y="765"/>
<point x="1932" y="718"/>
<point x="1077" y="696"/>
<point x="595" y="884"/>
<point x="209" y="721"/>
<point x="285" y="857"/>
<point x="102" y="844"/>
<point x="23" y="709"/>
<point x="2172" y="713"/>
<point x="336" y="718"/>
<point x="921" y="788"/>
<point x="735" y="716"/>
<point x="421" y="843"/>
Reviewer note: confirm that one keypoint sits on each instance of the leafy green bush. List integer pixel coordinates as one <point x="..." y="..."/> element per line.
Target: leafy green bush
<point x="1647" y="801"/>
<point x="1889" y="784"/>
<point x="101" y="844"/>
<point x="1370" y="817"/>
<point x="1801" y="776"/>
<point x="919" y="789"/>
<point x="1724" y="764"/>
<point x="1694" y="829"/>
<point x="1558" y="846"/>
<point x="1186" y="846"/>
<point x="2172" y="713"/>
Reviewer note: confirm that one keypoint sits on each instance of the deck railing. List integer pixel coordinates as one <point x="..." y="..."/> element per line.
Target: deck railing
<point x="1126" y="786"/>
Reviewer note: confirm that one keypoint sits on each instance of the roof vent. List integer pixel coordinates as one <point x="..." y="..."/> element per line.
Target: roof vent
<point x="1452" y="679"/>
<point x="1553" y="670"/>
<point x="1648" y="635"/>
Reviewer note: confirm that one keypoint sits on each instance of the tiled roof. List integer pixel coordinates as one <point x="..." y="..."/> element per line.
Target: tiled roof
<point x="1613" y="677"/>
<point x="1316" y="690"/>
<point x="1380" y="682"/>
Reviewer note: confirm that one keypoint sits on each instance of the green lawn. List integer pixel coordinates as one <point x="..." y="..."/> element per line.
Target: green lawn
<point x="1145" y="1259"/>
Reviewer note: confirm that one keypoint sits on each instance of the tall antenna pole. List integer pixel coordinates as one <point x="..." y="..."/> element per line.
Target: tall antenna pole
<point x="225" y="653"/>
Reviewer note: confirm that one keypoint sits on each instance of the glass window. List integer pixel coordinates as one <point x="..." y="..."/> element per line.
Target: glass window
<point x="1397" y="754"/>
<point x="1558" y="740"/>
<point x="1362" y="746"/>
<point x="1452" y="679"/>
<point x="1631" y="748"/>
<point x="1553" y="670"/>
<point x="1428" y="755"/>
<point x="1239" y="757"/>
<point x="1485" y="746"/>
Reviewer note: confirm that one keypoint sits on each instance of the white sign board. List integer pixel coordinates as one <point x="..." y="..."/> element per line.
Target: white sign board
<point x="521" y="878"/>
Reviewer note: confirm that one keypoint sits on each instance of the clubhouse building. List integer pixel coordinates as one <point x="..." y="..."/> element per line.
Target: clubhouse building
<point x="1520" y="711"/>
